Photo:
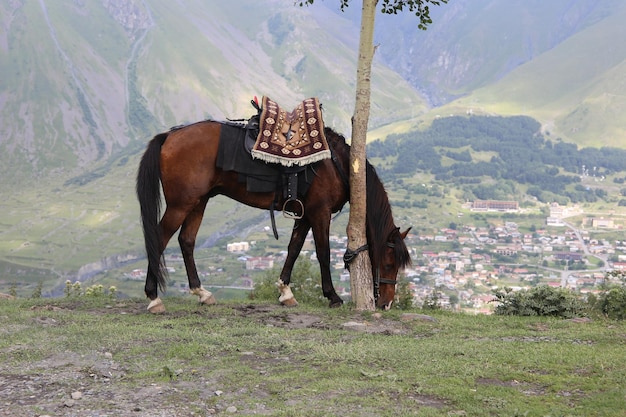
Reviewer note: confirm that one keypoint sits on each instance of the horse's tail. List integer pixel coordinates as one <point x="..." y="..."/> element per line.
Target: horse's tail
<point x="149" y="196"/>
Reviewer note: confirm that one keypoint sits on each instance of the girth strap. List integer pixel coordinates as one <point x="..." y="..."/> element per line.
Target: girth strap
<point x="273" y="219"/>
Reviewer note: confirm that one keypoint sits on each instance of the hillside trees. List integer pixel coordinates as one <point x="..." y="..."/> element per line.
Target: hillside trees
<point x="361" y="282"/>
<point x="509" y="150"/>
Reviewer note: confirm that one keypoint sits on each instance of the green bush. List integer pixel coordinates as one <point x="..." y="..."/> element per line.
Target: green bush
<point x="404" y="295"/>
<point x="611" y="302"/>
<point x="37" y="291"/>
<point x="539" y="301"/>
<point x="432" y="301"/>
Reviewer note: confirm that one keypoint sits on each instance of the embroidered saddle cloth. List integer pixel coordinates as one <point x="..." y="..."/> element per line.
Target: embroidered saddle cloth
<point x="259" y="177"/>
<point x="291" y="138"/>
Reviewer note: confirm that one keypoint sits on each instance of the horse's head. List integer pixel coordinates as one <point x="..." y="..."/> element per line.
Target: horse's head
<point x="395" y="256"/>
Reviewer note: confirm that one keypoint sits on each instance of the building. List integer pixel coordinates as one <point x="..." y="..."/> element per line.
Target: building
<point x="238" y="247"/>
<point x="260" y="263"/>
<point x="602" y="223"/>
<point x="561" y="212"/>
<point x="495" y="205"/>
<point x="506" y="250"/>
<point x="554" y="222"/>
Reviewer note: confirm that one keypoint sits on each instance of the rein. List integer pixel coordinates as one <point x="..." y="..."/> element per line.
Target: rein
<point x="350" y="255"/>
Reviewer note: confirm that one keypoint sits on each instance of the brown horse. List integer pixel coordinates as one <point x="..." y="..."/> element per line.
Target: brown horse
<point x="183" y="161"/>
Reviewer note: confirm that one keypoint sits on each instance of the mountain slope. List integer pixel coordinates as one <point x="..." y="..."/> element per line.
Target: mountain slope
<point x="87" y="79"/>
<point x="576" y="89"/>
<point x="62" y="88"/>
<point x="560" y="61"/>
<point x="84" y="80"/>
<point x="471" y="44"/>
<point x="86" y="84"/>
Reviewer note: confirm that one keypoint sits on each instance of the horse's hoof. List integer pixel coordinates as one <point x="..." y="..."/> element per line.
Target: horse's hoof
<point x="290" y="302"/>
<point x="286" y="296"/>
<point x="156" y="306"/>
<point x="335" y="304"/>
<point x="206" y="297"/>
<point x="208" y="301"/>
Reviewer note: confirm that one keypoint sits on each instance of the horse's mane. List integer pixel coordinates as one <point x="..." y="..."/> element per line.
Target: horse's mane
<point x="379" y="217"/>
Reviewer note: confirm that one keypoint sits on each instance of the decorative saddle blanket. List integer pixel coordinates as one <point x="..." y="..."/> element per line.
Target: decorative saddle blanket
<point x="291" y="138"/>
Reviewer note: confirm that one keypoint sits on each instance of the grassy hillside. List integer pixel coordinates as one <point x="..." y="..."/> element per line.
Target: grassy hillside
<point x="101" y="356"/>
<point x="86" y="85"/>
<point x="558" y="61"/>
<point x="51" y="234"/>
<point x="273" y="51"/>
<point x="84" y="81"/>
<point x="576" y="89"/>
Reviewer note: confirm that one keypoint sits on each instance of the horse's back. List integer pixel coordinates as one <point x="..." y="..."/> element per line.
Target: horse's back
<point x="188" y="158"/>
<point x="195" y="140"/>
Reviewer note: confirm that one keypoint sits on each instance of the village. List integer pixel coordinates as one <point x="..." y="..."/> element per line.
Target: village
<point x="457" y="268"/>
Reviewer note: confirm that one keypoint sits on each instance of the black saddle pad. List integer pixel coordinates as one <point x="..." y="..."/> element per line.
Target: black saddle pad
<point x="232" y="155"/>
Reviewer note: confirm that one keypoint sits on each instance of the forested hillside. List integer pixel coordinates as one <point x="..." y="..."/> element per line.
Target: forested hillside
<point x="500" y="158"/>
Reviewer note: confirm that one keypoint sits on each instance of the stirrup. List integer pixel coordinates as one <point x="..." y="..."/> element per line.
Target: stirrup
<point x="293" y="214"/>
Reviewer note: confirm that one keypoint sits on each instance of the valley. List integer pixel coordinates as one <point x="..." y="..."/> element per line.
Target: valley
<point x="86" y="84"/>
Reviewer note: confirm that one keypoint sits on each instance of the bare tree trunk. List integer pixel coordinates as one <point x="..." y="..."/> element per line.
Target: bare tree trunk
<point x="361" y="283"/>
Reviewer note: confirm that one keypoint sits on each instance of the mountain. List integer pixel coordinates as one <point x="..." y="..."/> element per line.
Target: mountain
<point x="576" y="89"/>
<point x="561" y="62"/>
<point x="85" y="84"/>
<point x="86" y="79"/>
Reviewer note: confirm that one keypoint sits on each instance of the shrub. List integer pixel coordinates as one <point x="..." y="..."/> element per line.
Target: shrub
<point x="432" y="301"/>
<point x="72" y="290"/>
<point x="95" y="291"/>
<point x="37" y="291"/>
<point x="611" y="302"/>
<point x="404" y="296"/>
<point x="539" y="301"/>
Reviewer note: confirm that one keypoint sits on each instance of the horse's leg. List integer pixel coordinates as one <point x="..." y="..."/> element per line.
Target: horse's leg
<point x="151" y="290"/>
<point x="169" y="224"/>
<point x="298" y="235"/>
<point x="321" y="231"/>
<point x="187" y="242"/>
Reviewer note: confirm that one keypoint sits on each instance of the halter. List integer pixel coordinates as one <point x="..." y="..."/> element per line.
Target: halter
<point x="349" y="256"/>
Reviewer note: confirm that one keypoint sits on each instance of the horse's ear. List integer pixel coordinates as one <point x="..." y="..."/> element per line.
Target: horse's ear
<point x="405" y="233"/>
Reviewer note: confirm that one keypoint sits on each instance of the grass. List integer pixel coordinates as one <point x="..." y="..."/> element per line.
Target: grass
<point x="262" y="358"/>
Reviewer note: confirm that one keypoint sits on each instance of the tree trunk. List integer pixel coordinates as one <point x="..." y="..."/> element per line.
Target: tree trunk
<point x="361" y="283"/>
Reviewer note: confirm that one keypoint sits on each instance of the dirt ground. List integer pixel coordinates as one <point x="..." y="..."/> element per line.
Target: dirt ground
<point x="73" y="384"/>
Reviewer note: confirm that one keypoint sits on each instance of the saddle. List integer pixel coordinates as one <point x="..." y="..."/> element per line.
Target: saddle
<point x="290" y="138"/>
<point x="278" y="151"/>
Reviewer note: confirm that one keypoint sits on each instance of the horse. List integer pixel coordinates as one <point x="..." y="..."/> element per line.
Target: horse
<point x="181" y="164"/>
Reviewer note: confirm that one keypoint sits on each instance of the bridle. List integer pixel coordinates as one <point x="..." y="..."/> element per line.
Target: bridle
<point x="350" y="255"/>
